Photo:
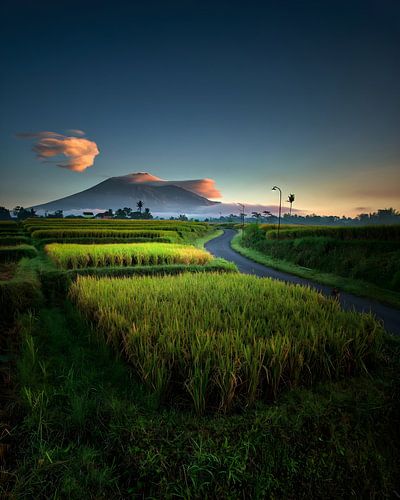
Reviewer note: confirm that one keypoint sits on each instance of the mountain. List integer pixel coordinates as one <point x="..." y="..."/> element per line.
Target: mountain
<point x="117" y="192"/>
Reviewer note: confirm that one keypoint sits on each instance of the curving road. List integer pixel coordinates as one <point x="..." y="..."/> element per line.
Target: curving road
<point x="220" y="247"/>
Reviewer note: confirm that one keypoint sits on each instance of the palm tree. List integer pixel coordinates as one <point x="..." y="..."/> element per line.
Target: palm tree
<point x="267" y="213"/>
<point x="257" y="215"/>
<point x="139" y="204"/>
<point x="290" y="200"/>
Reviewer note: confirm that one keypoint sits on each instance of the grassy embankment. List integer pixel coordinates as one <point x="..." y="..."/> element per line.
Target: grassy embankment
<point x="311" y="257"/>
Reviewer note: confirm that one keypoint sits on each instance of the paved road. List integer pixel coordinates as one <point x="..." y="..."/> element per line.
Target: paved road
<point x="220" y="247"/>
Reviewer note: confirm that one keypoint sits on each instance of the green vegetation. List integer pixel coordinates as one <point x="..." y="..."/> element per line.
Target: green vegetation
<point x="70" y="256"/>
<point x="19" y="291"/>
<point x="381" y="233"/>
<point x="186" y="386"/>
<point x="372" y="261"/>
<point x="9" y="240"/>
<point x="207" y="337"/>
<point x="86" y="429"/>
<point x="103" y="233"/>
<point x="16" y="252"/>
<point x="56" y="282"/>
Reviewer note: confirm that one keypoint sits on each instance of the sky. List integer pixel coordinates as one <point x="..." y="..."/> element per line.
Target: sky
<point x="300" y="94"/>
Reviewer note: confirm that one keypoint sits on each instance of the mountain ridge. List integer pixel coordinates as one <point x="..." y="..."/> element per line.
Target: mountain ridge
<point x="125" y="191"/>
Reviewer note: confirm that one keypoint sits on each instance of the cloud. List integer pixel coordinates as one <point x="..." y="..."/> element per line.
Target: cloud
<point x="75" y="131"/>
<point x="202" y="187"/>
<point x="79" y="152"/>
<point x="363" y="209"/>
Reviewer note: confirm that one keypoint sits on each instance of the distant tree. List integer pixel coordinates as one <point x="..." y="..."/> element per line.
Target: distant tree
<point x="140" y="204"/>
<point x="267" y="213"/>
<point x="183" y="217"/>
<point x="4" y="214"/>
<point x="257" y="215"/>
<point x="22" y="213"/>
<point x="58" y="214"/>
<point x="120" y="213"/>
<point x="147" y="214"/>
<point x="290" y="199"/>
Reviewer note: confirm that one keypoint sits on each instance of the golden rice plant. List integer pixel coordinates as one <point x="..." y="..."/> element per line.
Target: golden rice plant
<point x="228" y="340"/>
<point x="76" y="256"/>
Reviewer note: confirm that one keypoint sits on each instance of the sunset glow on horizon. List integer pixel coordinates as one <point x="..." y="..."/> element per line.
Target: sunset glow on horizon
<point x="225" y="99"/>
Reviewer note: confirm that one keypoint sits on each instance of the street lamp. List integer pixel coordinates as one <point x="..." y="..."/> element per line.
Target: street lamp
<point x="242" y="214"/>
<point x="280" y="206"/>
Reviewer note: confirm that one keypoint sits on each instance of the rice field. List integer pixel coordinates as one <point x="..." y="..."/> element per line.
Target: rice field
<point x="32" y="225"/>
<point x="103" y="233"/>
<point x="75" y="256"/>
<point x="219" y="342"/>
<point x="381" y="232"/>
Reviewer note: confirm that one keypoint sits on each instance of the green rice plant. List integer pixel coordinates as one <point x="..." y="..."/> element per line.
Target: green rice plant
<point x="223" y="341"/>
<point x="381" y="232"/>
<point x="14" y="239"/>
<point x="9" y="226"/>
<point x="103" y="240"/>
<point x="103" y="233"/>
<point x="72" y="256"/>
<point x="16" y="252"/>
<point x="82" y="224"/>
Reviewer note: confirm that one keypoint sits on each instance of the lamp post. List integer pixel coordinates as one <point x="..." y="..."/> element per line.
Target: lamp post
<point x="280" y="206"/>
<point x="242" y="214"/>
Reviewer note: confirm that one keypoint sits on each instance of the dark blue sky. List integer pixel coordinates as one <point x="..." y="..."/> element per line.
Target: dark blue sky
<point x="305" y="95"/>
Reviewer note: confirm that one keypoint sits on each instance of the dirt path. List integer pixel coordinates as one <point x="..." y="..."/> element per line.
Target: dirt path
<point x="220" y="247"/>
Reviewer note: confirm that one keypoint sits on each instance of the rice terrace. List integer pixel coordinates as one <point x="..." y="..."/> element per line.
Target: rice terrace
<point x="199" y="250"/>
<point x="143" y="355"/>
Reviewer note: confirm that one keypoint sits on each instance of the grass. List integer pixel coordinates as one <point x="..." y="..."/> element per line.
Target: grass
<point x="83" y="425"/>
<point x="202" y="240"/>
<point x="103" y="233"/>
<point x="16" y="252"/>
<point x="351" y="285"/>
<point x="379" y="232"/>
<point x="84" y="428"/>
<point x="20" y="290"/>
<point x="224" y="341"/>
<point x="79" y="256"/>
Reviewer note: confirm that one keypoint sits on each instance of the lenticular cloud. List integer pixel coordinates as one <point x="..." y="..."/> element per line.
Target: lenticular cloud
<point x="79" y="152"/>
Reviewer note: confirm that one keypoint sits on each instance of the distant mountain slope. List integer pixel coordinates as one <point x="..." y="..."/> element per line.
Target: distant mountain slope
<point x="118" y="192"/>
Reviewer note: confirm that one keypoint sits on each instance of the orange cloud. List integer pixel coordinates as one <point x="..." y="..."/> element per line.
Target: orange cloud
<point x="79" y="152"/>
<point x="203" y="187"/>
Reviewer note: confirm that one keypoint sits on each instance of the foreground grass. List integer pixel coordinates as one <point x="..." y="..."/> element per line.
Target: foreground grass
<point x="356" y="287"/>
<point x="86" y="429"/>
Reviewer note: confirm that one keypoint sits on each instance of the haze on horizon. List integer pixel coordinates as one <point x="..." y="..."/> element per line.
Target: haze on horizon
<point x="304" y="95"/>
